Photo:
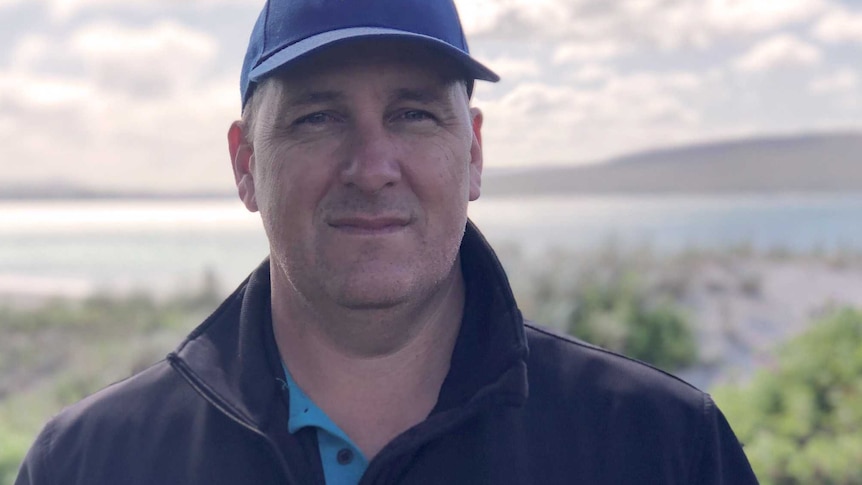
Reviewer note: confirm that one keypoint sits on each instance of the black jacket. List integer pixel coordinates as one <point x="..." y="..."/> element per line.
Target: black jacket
<point x="214" y="412"/>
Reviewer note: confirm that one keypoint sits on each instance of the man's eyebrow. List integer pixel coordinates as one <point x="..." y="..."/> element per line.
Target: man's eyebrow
<point x="308" y="98"/>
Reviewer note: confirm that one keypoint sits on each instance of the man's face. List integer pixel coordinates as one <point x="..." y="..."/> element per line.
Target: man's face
<point x="362" y="166"/>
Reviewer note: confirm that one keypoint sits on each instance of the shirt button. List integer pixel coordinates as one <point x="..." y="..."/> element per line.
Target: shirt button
<point x="344" y="456"/>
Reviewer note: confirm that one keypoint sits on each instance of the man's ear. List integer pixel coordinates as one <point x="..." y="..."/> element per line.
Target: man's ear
<point x="242" y="161"/>
<point x="476" y="154"/>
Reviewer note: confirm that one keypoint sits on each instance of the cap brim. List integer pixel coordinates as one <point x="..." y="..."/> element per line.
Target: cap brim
<point x="291" y="53"/>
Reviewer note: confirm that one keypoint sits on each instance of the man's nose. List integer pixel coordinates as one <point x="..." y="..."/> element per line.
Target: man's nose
<point x="372" y="161"/>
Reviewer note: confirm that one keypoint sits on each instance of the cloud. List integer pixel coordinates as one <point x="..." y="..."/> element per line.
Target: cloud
<point x="506" y="17"/>
<point x="779" y="51"/>
<point x="112" y="40"/>
<point x="70" y="130"/>
<point x="753" y="16"/>
<point x="647" y="97"/>
<point x="478" y="16"/>
<point x="839" y="25"/>
<point x="841" y="81"/>
<point x="63" y="10"/>
<point x="140" y="110"/>
<point x="29" y="51"/>
<point x="591" y="72"/>
<point x="509" y="67"/>
<point x="540" y="122"/>
<point x="666" y="24"/>
<point x="588" y="51"/>
<point x="43" y="91"/>
<point x="144" y="61"/>
<point x="678" y="24"/>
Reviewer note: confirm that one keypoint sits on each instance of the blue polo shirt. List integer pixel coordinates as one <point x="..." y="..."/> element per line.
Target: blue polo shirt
<point x="343" y="463"/>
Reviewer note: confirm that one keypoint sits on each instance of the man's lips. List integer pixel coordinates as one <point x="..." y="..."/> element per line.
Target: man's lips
<point x="368" y="224"/>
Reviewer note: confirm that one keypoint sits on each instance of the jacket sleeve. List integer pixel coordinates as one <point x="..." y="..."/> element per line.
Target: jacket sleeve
<point x="33" y="470"/>
<point x="722" y="460"/>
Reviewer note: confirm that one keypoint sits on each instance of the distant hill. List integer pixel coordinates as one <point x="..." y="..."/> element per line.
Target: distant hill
<point x="811" y="163"/>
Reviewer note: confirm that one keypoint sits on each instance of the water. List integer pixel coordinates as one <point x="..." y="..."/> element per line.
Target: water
<point x="75" y="247"/>
<point x="671" y="223"/>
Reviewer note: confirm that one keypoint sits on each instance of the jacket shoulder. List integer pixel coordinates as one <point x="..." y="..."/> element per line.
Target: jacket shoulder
<point x="126" y="402"/>
<point x="566" y="362"/>
<point x="618" y="410"/>
<point x="616" y="403"/>
<point x="89" y="434"/>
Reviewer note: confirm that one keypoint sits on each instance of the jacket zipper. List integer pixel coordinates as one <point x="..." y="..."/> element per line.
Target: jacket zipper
<point x="213" y="399"/>
<point x="470" y="411"/>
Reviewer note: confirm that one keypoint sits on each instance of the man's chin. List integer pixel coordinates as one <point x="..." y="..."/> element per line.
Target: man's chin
<point x="369" y="300"/>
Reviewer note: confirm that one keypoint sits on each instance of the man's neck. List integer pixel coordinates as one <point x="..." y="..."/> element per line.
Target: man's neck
<point x="374" y="397"/>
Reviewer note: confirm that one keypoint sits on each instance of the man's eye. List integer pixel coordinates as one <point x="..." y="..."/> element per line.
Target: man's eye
<point x="416" y="115"/>
<point x="313" y="119"/>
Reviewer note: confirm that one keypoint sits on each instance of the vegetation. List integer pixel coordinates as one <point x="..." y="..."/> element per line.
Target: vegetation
<point x="625" y="302"/>
<point x="618" y="315"/>
<point x="56" y="353"/>
<point x="801" y="419"/>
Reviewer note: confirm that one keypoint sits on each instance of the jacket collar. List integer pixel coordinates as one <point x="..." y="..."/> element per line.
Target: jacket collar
<point x="232" y="359"/>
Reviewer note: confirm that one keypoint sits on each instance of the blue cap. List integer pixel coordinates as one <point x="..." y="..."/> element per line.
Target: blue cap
<point x="289" y="29"/>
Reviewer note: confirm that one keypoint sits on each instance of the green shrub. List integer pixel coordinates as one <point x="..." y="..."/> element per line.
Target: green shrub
<point x="801" y="420"/>
<point x="621" y="314"/>
<point x="13" y="447"/>
<point x="54" y="354"/>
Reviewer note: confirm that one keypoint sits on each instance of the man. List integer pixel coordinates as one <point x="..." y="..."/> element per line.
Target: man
<point x="380" y="342"/>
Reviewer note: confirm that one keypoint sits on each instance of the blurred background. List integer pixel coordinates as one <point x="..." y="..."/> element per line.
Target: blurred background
<point x="677" y="180"/>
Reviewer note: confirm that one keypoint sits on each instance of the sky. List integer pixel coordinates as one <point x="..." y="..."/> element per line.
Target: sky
<point x="138" y="94"/>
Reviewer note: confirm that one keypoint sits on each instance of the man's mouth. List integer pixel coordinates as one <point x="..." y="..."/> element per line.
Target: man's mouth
<point x="370" y="225"/>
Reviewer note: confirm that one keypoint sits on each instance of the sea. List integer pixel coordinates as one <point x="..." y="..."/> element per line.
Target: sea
<point x="76" y="247"/>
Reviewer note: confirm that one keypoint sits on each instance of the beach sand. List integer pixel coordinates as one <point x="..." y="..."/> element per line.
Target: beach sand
<point x="745" y="306"/>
